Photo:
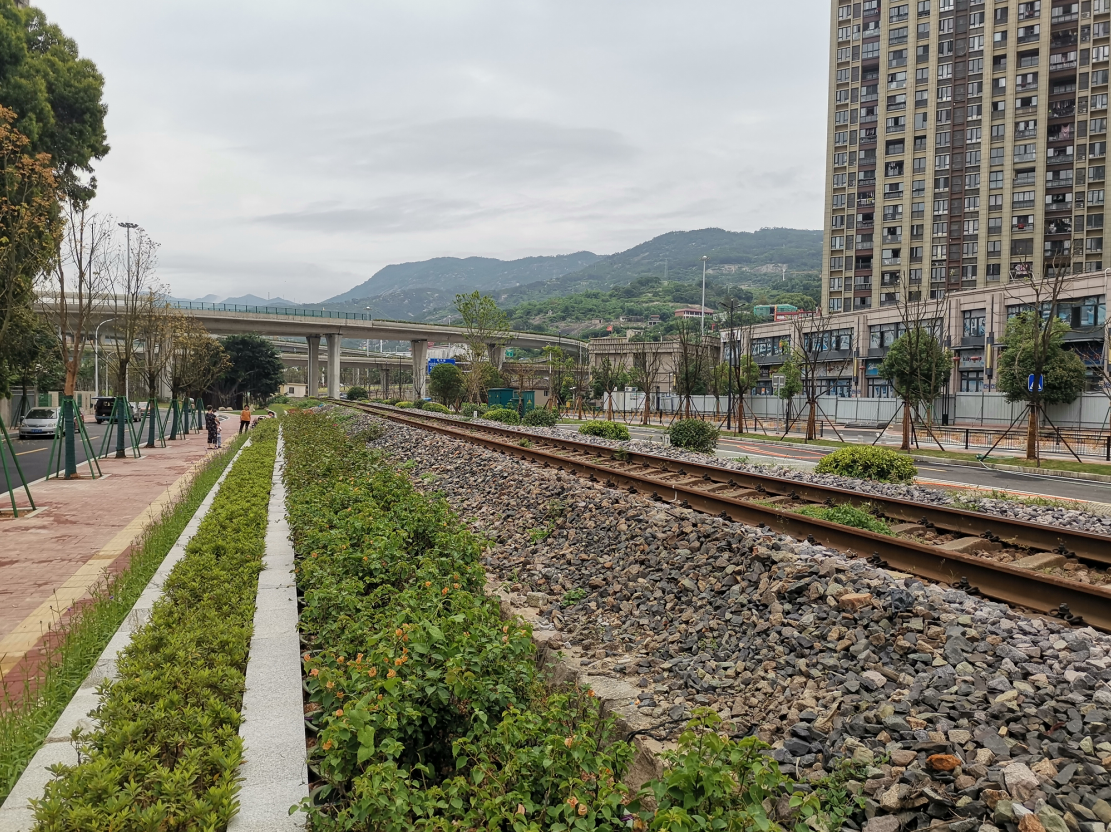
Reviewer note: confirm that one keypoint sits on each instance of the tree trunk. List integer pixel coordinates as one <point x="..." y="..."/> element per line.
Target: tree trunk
<point x="647" y="416"/>
<point x="905" y="446"/>
<point x="812" y="422"/>
<point x="69" y="423"/>
<point x="1032" y="433"/>
<point x="741" y="413"/>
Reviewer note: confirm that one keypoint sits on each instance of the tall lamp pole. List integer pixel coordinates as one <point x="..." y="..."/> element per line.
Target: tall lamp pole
<point x="96" y="354"/>
<point x="702" y="312"/>
<point x="128" y="226"/>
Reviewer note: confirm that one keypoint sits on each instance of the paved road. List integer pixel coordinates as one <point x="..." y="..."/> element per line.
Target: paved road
<point x="34" y="454"/>
<point x="929" y="473"/>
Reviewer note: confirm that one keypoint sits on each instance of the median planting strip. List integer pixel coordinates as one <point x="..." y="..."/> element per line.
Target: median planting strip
<point x="426" y="708"/>
<point x="165" y="752"/>
<point x="30" y="712"/>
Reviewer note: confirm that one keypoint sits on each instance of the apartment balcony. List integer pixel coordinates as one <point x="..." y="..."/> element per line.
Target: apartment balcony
<point x="869" y="119"/>
<point x="1058" y="66"/>
<point x="892" y="261"/>
<point x="1062" y="18"/>
<point x="864" y="99"/>
<point x="1060" y="159"/>
<point x="892" y="240"/>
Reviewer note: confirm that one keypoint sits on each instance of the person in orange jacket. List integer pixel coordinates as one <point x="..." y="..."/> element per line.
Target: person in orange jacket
<point x="245" y="419"/>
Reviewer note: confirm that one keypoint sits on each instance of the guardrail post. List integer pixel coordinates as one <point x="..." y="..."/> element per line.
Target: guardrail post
<point x="966" y="439"/>
<point x="1108" y="457"/>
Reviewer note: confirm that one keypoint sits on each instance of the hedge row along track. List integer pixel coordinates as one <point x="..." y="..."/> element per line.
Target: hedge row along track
<point x="730" y="494"/>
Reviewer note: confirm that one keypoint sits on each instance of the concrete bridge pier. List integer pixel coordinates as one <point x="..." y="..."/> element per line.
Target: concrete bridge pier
<point x="312" y="375"/>
<point x="420" y="367"/>
<point x="332" y="377"/>
<point x="497" y="355"/>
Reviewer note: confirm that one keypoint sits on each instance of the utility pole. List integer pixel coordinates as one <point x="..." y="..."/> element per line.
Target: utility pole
<point x="702" y="312"/>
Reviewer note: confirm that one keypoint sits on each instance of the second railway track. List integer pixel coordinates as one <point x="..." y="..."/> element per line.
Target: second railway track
<point x="729" y="493"/>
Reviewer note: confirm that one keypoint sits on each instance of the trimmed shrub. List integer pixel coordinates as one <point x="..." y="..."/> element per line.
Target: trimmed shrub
<point x="503" y="415"/>
<point x="406" y="404"/>
<point x="356" y="393"/>
<point x="434" y="407"/>
<point x="694" y="435"/>
<point x="606" y="430"/>
<point x="869" y="463"/>
<point x="540" y="418"/>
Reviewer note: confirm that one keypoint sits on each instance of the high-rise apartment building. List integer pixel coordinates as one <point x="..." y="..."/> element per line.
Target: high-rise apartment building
<point x="967" y="143"/>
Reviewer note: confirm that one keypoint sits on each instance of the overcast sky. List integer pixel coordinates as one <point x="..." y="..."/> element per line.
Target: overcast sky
<point x="296" y="148"/>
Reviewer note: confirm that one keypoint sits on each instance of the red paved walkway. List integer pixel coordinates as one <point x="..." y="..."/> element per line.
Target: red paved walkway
<point x="50" y="558"/>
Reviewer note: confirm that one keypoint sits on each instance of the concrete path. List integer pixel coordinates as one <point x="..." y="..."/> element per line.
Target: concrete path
<point x="50" y="558"/>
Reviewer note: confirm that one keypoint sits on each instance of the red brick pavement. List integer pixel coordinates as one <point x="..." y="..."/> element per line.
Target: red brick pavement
<point x="49" y="558"/>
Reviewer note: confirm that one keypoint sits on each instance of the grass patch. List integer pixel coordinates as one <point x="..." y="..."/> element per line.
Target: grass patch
<point x="970" y="501"/>
<point x="26" y="719"/>
<point x="847" y="516"/>
<point x="166" y="750"/>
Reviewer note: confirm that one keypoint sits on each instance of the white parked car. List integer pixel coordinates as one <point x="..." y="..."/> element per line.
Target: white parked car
<point x="42" y="421"/>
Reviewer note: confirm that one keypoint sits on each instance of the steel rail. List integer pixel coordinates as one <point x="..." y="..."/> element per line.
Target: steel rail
<point x="1000" y="581"/>
<point x="1021" y="533"/>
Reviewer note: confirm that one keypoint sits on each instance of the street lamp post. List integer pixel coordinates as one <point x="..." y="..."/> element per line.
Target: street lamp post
<point x="128" y="226"/>
<point x="702" y="312"/>
<point x="96" y="354"/>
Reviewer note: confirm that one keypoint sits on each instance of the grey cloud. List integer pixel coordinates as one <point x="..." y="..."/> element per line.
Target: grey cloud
<point x="397" y="215"/>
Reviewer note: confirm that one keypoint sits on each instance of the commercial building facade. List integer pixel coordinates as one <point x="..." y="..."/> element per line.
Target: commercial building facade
<point x="966" y="144"/>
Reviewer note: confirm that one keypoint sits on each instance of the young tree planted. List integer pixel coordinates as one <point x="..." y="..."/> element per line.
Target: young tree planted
<point x="917" y="366"/>
<point x="486" y="331"/>
<point x="447" y="384"/>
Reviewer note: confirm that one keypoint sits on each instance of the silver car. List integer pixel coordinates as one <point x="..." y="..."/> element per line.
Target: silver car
<point x="40" y="422"/>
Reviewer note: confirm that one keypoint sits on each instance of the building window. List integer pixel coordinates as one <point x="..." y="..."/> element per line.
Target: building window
<point x="835" y="304"/>
<point x="974" y="320"/>
<point x="972" y="381"/>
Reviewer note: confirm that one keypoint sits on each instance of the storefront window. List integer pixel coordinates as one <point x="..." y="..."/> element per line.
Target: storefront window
<point x="972" y="381"/>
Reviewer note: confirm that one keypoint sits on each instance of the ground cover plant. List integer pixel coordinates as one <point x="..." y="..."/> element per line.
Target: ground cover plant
<point x="540" y="418"/>
<point x="847" y="515"/>
<point x="427" y="708"/>
<point x="605" y="429"/>
<point x="28" y="713"/>
<point x="166" y="750"/>
<point x="869" y="463"/>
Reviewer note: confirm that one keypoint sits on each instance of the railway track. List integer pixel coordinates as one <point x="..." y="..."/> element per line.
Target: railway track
<point x="759" y="500"/>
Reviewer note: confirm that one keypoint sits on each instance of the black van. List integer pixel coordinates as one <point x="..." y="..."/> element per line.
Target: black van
<point x="102" y="409"/>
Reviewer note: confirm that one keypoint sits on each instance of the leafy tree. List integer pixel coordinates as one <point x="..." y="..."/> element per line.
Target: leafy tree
<point x="30" y="224"/>
<point x="356" y="392"/>
<point x="917" y="367"/>
<point x="486" y="329"/>
<point x="56" y="93"/>
<point x="447" y="384"/>
<point x="1062" y="369"/>
<point x="255" y="367"/>
<point x="31" y="358"/>
<point x="792" y="382"/>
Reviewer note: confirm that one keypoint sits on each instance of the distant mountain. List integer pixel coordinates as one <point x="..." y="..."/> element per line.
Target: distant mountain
<point x="425" y="290"/>
<point x="451" y="275"/>
<point x="242" y="300"/>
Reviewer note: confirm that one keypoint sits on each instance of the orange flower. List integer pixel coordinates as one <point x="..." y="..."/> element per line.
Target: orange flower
<point x="582" y="810"/>
<point x="428" y="583"/>
<point x="456" y="586"/>
<point x="306" y="657"/>
<point x="505" y="639"/>
<point x="505" y="629"/>
<point x="327" y="745"/>
<point x="315" y="671"/>
<point x="520" y="808"/>
<point x="398" y="662"/>
<point x="339" y="712"/>
<point x="330" y="685"/>
<point x="373" y="672"/>
<point x="390" y="675"/>
<point x="358" y="658"/>
<point x="444" y="592"/>
<point x="314" y="554"/>
<point x="572" y="801"/>
<point x="365" y="558"/>
<point x="397" y="633"/>
<point x="340" y="660"/>
<point x="568" y="742"/>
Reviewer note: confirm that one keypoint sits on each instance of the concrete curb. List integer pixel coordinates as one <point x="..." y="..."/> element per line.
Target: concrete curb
<point x="274" y="771"/>
<point x="1016" y="469"/>
<point x="16" y="814"/>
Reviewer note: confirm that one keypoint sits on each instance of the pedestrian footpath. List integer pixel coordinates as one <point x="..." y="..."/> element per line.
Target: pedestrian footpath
<point x="51" y="557"/>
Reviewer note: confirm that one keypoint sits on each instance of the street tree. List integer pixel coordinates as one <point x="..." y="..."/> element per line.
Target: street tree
<point x="608" y="375"/>
<point x="791" y="386"/>
<point x="1033" y="347"/>
<point x="133" y="287"/>
<point x="70" y="293"/>
<point x="447" y="384"/>
<point x="31" y="229"/>
<point x="57" y="94"/>
<point x="254" y="368"/>
<point x="917" y="365"/>
<point x="693" y="364"/>
<point x="647" y="363"/>
<point x="486" y="332"/>
<point x="31" y="358"/>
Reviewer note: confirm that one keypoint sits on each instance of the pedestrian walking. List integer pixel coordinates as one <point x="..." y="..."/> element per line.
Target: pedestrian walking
<point x="212" y="424"/>
<point x="245" y="419"/>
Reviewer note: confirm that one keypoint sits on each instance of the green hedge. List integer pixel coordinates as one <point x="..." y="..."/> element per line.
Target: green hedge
<point x="869" y="463"/>
<point x="694" y="435"/>
<point x="428" y="708"/>
<point x="541" y="418"/>
<point x="604" y="429"/>
<point x="503" y="415"/>
<point x="435" y="407"/>
<point x="166" y="750"/>
<point x="25" y="719"/>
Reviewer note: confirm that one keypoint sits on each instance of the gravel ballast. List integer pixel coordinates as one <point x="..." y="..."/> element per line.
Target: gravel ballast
<point x="961" y="713"/>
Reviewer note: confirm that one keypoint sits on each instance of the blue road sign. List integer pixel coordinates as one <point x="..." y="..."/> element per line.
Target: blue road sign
<point x="432" y="362"/>
<point x="1030" y="382"/>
